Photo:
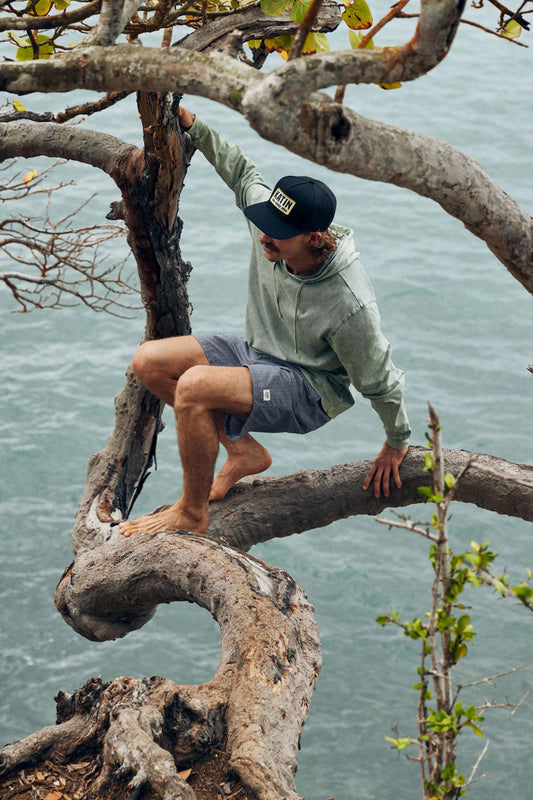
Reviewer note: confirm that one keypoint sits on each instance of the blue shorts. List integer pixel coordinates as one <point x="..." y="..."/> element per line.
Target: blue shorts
<point x="283" y="400"/>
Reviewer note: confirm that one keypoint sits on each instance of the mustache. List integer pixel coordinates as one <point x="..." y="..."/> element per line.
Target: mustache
<point x="270" y="246"/>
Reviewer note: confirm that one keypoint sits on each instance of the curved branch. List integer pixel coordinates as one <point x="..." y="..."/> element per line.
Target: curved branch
<point x="100" y="150"/>
<point x="250" y="22"/>
<point x="221" y="79"/>
<point x="270" y="650"/>
<point x="114" y="15"/>
<point x="311" y="499"/>
<point x="285" y="86"/>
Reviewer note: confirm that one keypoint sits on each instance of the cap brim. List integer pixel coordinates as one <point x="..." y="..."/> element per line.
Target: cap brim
<point x="268" y="222"/>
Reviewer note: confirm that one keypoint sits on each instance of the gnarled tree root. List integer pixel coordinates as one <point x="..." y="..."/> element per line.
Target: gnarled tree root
<point x="256" y="703"/>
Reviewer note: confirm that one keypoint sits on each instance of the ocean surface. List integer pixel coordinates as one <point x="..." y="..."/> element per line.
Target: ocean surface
<point x="461" y="328"/>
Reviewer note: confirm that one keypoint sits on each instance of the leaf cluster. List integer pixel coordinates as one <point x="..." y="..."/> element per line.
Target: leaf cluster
<point x="445" y="633"/>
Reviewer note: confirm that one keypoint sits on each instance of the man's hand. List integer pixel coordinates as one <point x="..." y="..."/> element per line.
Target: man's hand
<point x="387" y="460"/>
<point x="186" y="117"/>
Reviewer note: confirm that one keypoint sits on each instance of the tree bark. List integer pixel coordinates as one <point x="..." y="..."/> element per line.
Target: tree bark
<point x="315" y="498"/>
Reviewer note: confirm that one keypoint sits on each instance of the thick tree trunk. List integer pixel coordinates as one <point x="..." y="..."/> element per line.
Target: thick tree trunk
<point x="150" y="183"/>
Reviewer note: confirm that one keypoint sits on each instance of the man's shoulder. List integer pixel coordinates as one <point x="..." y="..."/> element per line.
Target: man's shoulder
<point x="351" y="279"/>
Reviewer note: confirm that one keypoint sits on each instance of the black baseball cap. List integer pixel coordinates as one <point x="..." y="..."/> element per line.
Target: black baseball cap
<point x="298" y="204"/>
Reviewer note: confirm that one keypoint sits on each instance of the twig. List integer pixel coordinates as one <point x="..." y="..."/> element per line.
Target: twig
<point x="475" y="768"/>
<point x="408" y="525"/>
<point x="304" y="29"/>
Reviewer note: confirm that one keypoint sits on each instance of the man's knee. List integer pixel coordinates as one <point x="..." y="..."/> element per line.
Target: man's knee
<point x="144" y="359"/>
<point x="192" y="386"/>
<point x="169" y="357"/>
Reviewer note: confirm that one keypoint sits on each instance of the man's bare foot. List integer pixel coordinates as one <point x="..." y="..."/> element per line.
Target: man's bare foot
<point x="244" y="458"/>
<point x="172" y="518"/>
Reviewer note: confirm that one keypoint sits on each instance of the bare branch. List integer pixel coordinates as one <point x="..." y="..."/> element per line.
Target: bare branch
<point x="407" y="525"/>
<point x="87" y="109"/>
<point x="55" y="21"/>
<point x="471" y="778"/>
<point x="114" y="15"/>
<point x="62" y="263"/>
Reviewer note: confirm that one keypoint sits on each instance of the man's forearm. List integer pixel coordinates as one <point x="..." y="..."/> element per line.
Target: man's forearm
<point x="234" y="167"/>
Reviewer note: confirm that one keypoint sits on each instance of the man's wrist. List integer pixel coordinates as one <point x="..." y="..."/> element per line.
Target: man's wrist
<point x="398" y="444"/>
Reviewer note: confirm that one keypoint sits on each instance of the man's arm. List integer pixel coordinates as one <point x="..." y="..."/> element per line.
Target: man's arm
<point x="366" y="355"/>
<point x="235" y="168"/>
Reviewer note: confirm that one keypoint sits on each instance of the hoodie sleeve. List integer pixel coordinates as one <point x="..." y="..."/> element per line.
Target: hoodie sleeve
<point x="365" y="354"/>
<point x="236" y="169"/>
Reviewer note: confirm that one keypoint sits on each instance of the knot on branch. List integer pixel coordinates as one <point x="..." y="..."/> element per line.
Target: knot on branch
<point x="340" y="126"/>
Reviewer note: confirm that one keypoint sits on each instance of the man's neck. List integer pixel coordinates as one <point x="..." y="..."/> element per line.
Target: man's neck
<point x="305" y="267"/>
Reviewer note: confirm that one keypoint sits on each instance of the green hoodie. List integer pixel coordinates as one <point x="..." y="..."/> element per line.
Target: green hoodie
<point x="327" y="323"/>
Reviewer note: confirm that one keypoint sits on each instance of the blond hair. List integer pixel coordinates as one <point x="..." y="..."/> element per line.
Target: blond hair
<point x="326" y="245"/>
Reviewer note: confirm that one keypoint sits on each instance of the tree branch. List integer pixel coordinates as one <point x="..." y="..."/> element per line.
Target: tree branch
<point x="315" y="498"/>
<point x="54" y="21"/>
<point x="114" y="14"/>
<point x="100" y="150"/>
<point x="151" y="69"/>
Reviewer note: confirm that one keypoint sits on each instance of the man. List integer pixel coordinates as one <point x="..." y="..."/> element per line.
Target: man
<point x="312" y="328"/>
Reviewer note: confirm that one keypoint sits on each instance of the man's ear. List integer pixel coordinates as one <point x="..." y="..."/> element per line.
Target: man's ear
<point x="315" y="238"/>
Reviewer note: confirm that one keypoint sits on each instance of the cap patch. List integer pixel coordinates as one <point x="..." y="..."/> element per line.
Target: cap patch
<point x="282" y="202"/>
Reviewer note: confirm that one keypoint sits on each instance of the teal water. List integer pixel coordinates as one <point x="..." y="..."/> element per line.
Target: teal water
<point x="460" y="327"/>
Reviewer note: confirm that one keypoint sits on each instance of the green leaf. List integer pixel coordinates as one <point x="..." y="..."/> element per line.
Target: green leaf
<point x="458" y="650"/>
<point x="41" y="8"/>
<point x="315" y="43"/>
<point x="427" y="491"/>
<point x="477" y="730"/>
<point x="415" y="629"/>
<point x="45" y="49"/>
<point x="463" y="624"/>
<point x="356" y="39"/>
<point x="299" y="10"/>
<point x="428" y="462"/>
<point x="523" y="591"/>
<point x="401" y="743"/>
<point x="61" y="4"/>
<point x="512" y="30"/>
<point x="357" y="15"/>
<point x="275" y="8"/>
<point x="449" y="480"/>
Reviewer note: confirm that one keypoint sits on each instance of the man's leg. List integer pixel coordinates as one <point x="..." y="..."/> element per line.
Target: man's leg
<point x="245" y="457"/>
<point x="200" y="392"/>
<point x="159" y="363"/>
